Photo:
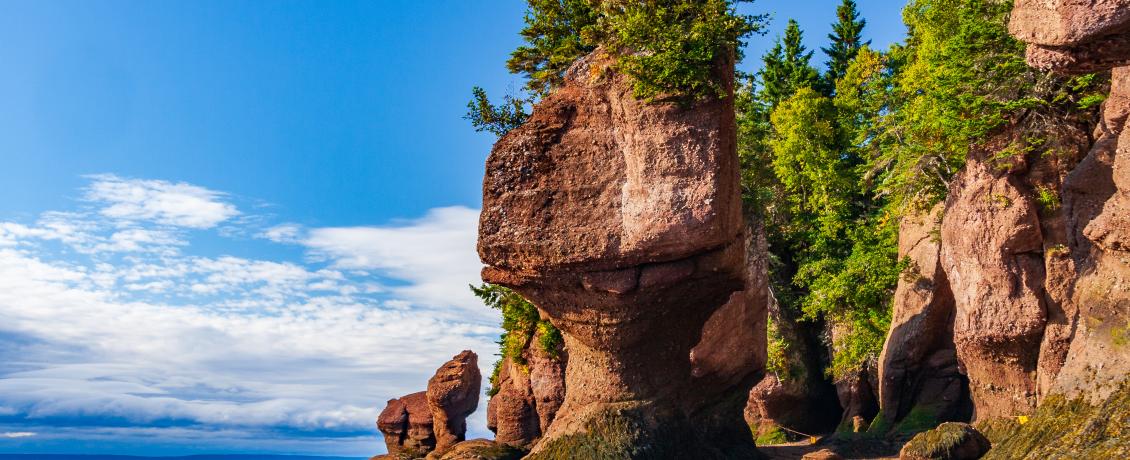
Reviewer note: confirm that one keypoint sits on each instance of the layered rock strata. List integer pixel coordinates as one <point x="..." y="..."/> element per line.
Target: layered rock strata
<point x="621" y="220"/>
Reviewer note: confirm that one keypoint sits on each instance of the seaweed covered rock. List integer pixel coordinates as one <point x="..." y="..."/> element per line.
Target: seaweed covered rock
<point x="949" y="441"/>
<point x="621" y="220"/>
<point x="482" y="449"/>
<point x="1065" y="428"/>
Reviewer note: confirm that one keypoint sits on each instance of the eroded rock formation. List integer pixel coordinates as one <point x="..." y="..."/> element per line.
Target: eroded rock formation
<point x="430" y="422"/>
<point x="1075" y="37"/>
<point x="918" y="368"/>
<point x="621" y="220"/>
<point x="453" y="394"/>
<point x="528" y="395"/>
<point x="406" y="424"/>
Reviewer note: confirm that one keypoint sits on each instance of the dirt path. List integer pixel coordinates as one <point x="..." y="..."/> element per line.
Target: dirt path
<point x="855" y="451"/>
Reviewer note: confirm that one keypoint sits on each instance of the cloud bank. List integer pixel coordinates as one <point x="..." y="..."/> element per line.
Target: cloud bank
<point x="112" y="328"/>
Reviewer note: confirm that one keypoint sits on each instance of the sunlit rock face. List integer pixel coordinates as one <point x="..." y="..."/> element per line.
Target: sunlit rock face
<point x="621" y="220"/>
<point x="431" y="422"/>
<point x="1076" y="36"/>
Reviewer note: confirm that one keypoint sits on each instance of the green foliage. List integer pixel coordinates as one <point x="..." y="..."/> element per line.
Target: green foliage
<point x="554" y="34"/>
<point x="772" y="436"/>
<point x="496" y="119"/>
<point x="520" y="322"/>
<point x="786" y="68"/>
<point x="671" y="48"/>
<point x="1048" y="199"/>
<point x="777" y="348"/>
<point x="846" y="40"/>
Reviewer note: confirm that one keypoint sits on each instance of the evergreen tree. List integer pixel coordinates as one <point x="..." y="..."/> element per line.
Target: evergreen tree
<point x="846" y="39"/>
<point x="787" y="67"/>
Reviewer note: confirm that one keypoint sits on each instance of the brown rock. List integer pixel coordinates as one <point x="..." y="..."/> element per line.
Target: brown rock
<point x="1072" y="36"/>
<point x="453" y="394"/>
<point x="482" y="449"/>
<point x="528" y="396"/>
<point x="406" y="424"/>
<point x="595" y="210"/>
<point x="918" y="368"/>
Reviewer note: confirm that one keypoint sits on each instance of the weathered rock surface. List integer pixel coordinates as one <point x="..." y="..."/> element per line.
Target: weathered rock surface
<point x="949" y="441"/>
<point x="406" y="424"/>
<point x="428" y="423"/>
<point x="453" y="394"/>
<point x="621" y="221"/>
<point x="1074" y="37"/>
<point x="528" y="396"/>
<point x="822" y="454"/>
<point x="918" y="368"/>
<point x="798" y="397"/>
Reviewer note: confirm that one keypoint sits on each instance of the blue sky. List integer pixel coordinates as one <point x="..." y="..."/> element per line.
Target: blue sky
<point x="242" y="226"/>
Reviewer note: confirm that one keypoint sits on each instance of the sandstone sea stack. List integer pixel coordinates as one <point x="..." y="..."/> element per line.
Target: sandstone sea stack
<point x="621" y="220"/>
<point x="1077" y="37"/>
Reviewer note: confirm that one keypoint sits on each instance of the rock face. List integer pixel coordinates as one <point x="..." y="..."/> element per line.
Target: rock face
<point x="918" y="370"/>
<point x="1074" y="37"/>
<point x="621" y="221"/>
<point x="528" y="396"/>
<point x="428" y="423"/>
<point x="453" y="394"/>
<point x="797" y="397"/>
<point x="406" y="424"/>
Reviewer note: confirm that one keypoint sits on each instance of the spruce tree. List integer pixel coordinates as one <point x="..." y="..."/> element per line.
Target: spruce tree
<point x="846" y="39"/>
<point x="787" y="67"/>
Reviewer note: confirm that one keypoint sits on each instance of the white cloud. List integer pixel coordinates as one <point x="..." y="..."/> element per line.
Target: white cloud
<point x="133" y="328"/>
<point x="177" y="204"/>
<point x="285" y="233"/>
<point x="435" y="255"/>
<point x="17" y="434"/>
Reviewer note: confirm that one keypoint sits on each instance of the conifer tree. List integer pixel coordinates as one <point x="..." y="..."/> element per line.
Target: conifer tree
<point x="846" y="41"/>
<point x="787" y="67"/>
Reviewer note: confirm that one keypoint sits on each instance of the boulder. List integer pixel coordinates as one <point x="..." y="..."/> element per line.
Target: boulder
<point x="822" y="454"/>
<point x="482" y="449"/>
<point x="621" y="220"/>
<point x="453" y="394"/>
<point x="949" y="441"/>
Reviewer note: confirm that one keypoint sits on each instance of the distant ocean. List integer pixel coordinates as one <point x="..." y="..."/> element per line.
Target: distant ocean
<point x="183" y="457"/>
